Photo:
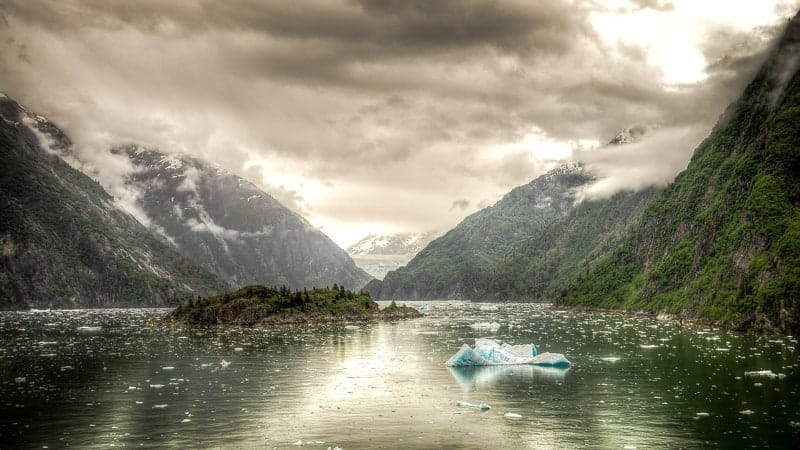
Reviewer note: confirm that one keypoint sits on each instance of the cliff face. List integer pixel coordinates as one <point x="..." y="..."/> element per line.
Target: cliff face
<point x="456" y="265"/>
<point x="723" y="241"/>
<point x="234" y="229"/>
<point x="63" y="241"/>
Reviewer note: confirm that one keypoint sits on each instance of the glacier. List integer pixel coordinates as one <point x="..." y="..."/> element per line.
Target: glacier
<point x="488" y="352"/>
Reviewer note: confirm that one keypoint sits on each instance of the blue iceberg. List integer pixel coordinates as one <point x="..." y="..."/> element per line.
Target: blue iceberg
<point x="488" y="352"/>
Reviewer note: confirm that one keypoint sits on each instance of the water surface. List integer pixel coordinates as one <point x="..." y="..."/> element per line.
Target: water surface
<point x="100" y="378"/>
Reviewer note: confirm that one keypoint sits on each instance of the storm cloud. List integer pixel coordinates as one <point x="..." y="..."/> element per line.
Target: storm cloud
<point x="372" y="116"/>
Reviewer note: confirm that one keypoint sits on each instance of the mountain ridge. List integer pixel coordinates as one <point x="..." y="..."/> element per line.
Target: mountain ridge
<point x="64" y="241"/>
<point x="722" y="243"/>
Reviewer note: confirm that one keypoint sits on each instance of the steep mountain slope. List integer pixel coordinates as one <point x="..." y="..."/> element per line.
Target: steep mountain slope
<point x="379" y="254"/>
<point x="64" y="243"/>
<point x="540" y="267"/>
<point x="723" y="241"/>
<point x="456" y="264"/>
<point x="234" y="229"/>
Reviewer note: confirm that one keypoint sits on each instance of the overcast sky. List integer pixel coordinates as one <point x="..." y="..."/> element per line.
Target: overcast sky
<point x="371" y="116"/>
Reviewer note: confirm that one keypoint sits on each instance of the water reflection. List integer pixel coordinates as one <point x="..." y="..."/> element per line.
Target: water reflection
<point x="486" y="377"/>
<point x="636" y="382"/>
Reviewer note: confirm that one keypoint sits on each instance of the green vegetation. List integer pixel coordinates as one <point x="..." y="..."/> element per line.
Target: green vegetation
<point x="723" y="241"/>
<point x="459" y="263"/>
<point x="64" y="244"/>
<point x="563" y="252"/>
<point x="253" y="305"/>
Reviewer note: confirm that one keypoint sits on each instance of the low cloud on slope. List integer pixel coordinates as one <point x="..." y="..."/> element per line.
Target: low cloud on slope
<point x="379" y="116"/>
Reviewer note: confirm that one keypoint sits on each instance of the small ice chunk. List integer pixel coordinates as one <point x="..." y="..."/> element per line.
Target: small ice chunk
<point x="648" y="346"/>
<point x="161" y="406"/>
<point x="65" y="368"/>
<point x="224" y="363"/>
<point x="351" y="327"/>
<point x="611" y="359"/>
<point x="186" y="420"/>
<point x="19" y="380"/>
<point x="168" y="368"/>
<point x="510" y="415"/>
<point x="481" y="406"/>
<point x="423" y="308"/>
<point x="747" y="412"/>
<point x="765" y="374"/>
<point x="238" y="349"/>
<point x="702" y="414"/>
<point x="156" y="386"/>
<point x="485" y="326"/>
<point x="89" y="330"/>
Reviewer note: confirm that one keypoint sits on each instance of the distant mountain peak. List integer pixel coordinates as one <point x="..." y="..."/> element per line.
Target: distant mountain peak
<point x="632" y="134"/>
<point x="391" y="244"/>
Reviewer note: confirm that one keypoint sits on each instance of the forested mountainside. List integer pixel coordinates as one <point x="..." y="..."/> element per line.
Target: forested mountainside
<point x="723" y="241"/>
<point x="458" y="263"/>
<point x="540" y="267"/>
<point x="65" y="243"/>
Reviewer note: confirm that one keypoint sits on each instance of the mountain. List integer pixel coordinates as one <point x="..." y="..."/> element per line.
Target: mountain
<point x="65" y="243"/>
<point x="723" y="241"/>
<point x="540" y="267"/>
<point x="379" y="254"/>
<point x="456" y="264"/>
<point x="231" y="227"/>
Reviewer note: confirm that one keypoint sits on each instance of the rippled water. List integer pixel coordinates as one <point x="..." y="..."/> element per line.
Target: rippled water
<point x="635" y="382"/>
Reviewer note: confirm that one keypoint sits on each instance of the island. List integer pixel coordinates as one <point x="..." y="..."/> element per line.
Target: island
<point x="262" y="305"/>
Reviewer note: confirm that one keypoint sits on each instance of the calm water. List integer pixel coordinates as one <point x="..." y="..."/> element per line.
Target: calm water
<point x="634" y="383"/>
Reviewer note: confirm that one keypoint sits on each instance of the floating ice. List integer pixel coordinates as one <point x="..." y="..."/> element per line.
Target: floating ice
<point x="19" y="380"/>
<point x="423" y="308"/>
<point x="488" y="352"/>
<point x="156" y="386"/>
<point x="611" y="359"/>
<point x="224" y="363"/>
<point x="765" y="374"/>
<point x="351" y="327"/>
<point x="485" y="326"/>
<point x="648" y="346"/>
<point x="510" y="415"/>
<point x="88" y="330"/>
<point x="482" y="406"/>
<point x="161" y="406"/>
<point x="747" y="412"/>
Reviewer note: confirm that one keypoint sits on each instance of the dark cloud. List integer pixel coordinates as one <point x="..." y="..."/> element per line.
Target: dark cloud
<point x="460" y="204"/>
<point x="369" y="111"/>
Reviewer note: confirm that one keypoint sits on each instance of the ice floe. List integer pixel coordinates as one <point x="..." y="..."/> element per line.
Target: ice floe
<point x="488" y="352"/>
<point x="481" y="406"/>
<point x="485" y="326"/>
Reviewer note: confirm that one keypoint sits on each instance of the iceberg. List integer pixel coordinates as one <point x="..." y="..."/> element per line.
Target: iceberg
<point x="488" y="352"/>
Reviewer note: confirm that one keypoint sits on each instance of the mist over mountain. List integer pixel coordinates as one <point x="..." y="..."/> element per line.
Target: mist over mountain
<point x="64" y="241"/>
<point x="723" y="241"/>
<point x="231" y="227"/>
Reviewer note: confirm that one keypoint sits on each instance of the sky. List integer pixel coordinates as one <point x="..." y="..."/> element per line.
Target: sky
<point x="378" y="117"/>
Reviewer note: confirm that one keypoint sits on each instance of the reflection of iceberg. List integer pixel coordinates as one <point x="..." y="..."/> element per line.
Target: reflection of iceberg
<point x="479" y="377"/>
<point x="488" y="352"/>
